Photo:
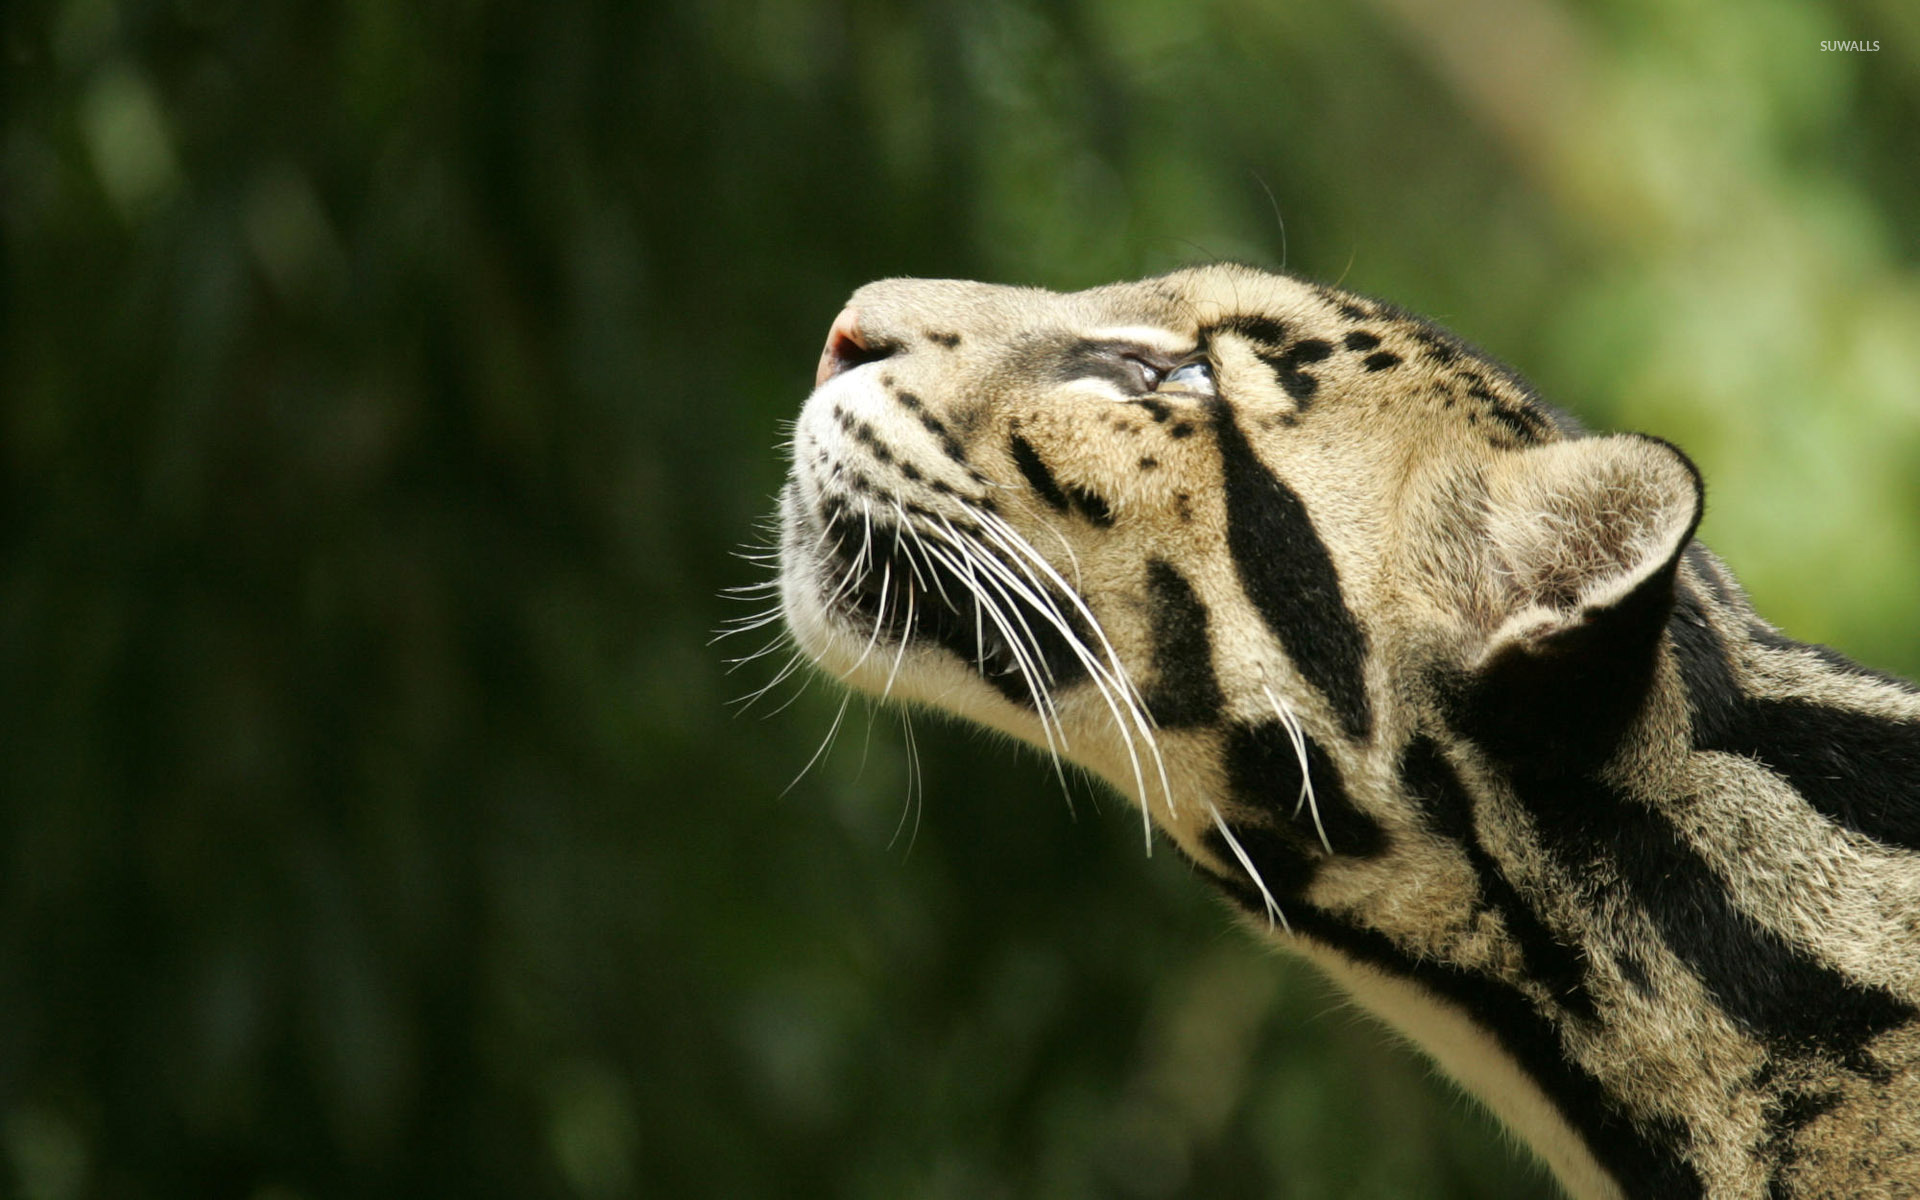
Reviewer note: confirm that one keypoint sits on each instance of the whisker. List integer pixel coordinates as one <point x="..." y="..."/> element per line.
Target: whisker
<point x="990" y="609"/>
<point x="916" y="787"/>
<point x="738" y="625"/>
<point x="1115" y="689"/>
<point x="747" y="702"/>
<point x="1290" y="721"/>
<point x="805" y="682"/>
<point x="833" y="730"/>
<point x="987" y="606"/>
<point x="1253" y="872"/>
<point x="774" y="643"/>
<point x="901" y="653"/>
<point x="1011" y="540"/>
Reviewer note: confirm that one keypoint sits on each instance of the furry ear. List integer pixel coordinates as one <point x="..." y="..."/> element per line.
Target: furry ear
<point x="1575" y="527"/>
<point x="1583" y="541"/>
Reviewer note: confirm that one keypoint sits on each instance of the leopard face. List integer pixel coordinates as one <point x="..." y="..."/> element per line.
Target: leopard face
<point x="1198" y="533"/>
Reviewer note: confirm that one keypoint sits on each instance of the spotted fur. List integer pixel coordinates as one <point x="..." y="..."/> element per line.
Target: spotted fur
<point x="1432" y="683"/>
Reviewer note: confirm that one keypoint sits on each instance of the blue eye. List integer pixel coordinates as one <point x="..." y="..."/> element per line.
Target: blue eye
<point x="1193" y="376"/>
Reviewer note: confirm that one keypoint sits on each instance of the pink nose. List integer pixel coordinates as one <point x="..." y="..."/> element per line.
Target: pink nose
<point x="845" y="347"/>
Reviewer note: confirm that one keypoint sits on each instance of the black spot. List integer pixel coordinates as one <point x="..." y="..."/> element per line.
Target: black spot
<point x="1771" y="988"/>
<point x="1091" y="505"/>
<point x="909" y="401"/>
<point x="949" y="445"/>
<point x="1439" y="347"/>
<point x="1260" y="329"/>
<point x="1559" y="967"/>
<point x="1181" y="429"/>
<point x="910" y="472"/>
<point x="1159" y="410"/>
<point x="1183" y="505"/>
<point x="1185" y="692"/>
<point x="1287" y="365"/>
<point x="1286" y="571"/>
<point x="1149" y="463"/>
<point x="1635" y="973"/>
<point x="1360" y="340"/>
<point x="1526" y="425"/>
<point x="1381" y="361"/>
<point x="1284" y="860"/>
<point x="1860" y="771"/>
<point x="1263" y="772"/>
<point x="949" y="340"/>
<point x="1645" y="1157"/>
<point x="1347" y="305"/>
<point x="1035" y="471"/>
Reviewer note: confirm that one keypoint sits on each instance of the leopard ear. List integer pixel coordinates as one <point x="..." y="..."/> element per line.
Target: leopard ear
<point x="1583" y="540"/>
<point x="1575" y="529"/>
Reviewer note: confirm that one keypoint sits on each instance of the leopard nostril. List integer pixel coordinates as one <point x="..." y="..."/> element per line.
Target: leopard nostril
<point x="847" y="347"/>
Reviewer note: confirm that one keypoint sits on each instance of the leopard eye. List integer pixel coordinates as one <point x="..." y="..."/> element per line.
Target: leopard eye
<point x="1190" y="377"/>
<point x="1145" y="376"/>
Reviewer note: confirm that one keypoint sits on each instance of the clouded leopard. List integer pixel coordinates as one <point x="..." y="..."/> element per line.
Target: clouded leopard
<point x="1434" y="684"/>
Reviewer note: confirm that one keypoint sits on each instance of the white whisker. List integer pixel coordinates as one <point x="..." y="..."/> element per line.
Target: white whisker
<point x="1115" y="689"/>
<point x="1290" y="721"/>
<point x="916" y="786"/>
<point x="777" y="641"/>
<point x="1031" y="559"/>
<point x="1253" y="872"/>
<point x="832" y="731"/>
<point x="748" y="701"/>
<point x="990" y="609"/>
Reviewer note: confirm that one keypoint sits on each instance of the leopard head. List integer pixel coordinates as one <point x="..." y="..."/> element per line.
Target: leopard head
<point x="1231" y="540"/>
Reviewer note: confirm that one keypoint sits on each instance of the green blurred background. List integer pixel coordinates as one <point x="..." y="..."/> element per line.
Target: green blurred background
<point x="386" y="386"/>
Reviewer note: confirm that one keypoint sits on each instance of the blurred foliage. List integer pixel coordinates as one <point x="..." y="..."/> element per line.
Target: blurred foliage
<point x="385" y="386"/>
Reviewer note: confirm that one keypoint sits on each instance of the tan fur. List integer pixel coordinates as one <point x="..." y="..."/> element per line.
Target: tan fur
<point x="1465" y="530"/>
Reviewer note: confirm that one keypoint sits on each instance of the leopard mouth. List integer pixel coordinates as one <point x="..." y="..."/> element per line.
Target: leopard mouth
<point x="903" y="586"/>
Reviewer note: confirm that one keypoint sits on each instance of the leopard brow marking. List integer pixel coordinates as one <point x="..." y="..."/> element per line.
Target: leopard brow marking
<point x="1152" y="337"/>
